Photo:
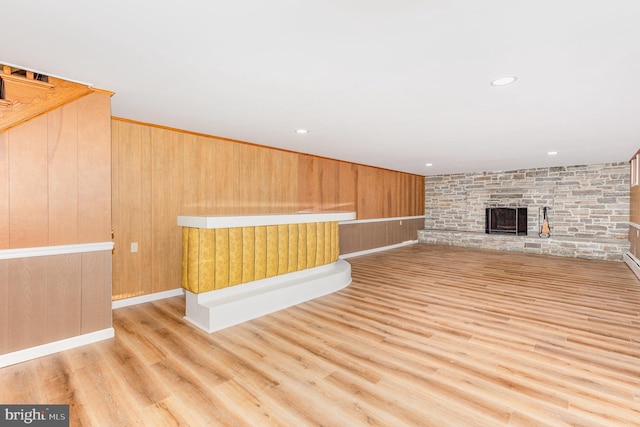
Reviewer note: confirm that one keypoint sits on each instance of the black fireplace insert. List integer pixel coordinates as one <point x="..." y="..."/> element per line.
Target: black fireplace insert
<point x="506" y="221"/>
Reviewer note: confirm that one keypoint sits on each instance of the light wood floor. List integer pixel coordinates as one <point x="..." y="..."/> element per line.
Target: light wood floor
<point x="425" y="335"/>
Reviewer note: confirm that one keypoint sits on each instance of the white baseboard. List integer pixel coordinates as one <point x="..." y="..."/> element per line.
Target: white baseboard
<point x="633" y="263"/>
<point x="54" y="347"/>
<point x="383" y="248"/>
<point x="146" y="298"/>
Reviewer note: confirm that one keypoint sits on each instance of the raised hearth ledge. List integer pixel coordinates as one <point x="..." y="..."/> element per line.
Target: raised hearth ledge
<point x="567" y="246"/>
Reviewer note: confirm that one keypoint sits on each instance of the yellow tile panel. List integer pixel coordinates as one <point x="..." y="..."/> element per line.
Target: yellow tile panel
<point x="221" y="258"/>
<point x="302" y="246"/>
<point x="185" y="257"/>
<point x="206" y="256"/>
<point x="272" y="250"/>
<point x="192" y="266"/>
<point x="312" y="241"/>
<point x="235" y="256"/>
<point x="218" y="258"/>
<point x="335" y="241"/>
<point x="248" y="254"/>
<point x="261" y="252"/>
<point x="283" y="249"/>
<point x="293" y="248"/>
<point x="320" y="244"/>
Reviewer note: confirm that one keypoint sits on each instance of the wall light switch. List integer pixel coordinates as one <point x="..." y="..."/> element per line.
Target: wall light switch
<point x="134" y="246"/>
<point x="400" y="222"/>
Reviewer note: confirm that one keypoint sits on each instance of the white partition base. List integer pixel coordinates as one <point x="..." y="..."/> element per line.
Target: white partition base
<point x="219" y="309"/>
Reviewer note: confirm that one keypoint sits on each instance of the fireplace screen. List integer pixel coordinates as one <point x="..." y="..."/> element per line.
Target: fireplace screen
<point x="506" y="221"/>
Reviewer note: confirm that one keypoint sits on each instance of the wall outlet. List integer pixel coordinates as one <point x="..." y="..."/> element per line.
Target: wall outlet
<point x="400" y="222"/>
<point x="134" y="247"/>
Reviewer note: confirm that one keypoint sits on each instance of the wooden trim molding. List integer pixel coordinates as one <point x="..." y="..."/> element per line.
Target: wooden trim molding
<point x="25" y="81"/>
<point x="398" y="218"/>
<point x="55" y="250"/>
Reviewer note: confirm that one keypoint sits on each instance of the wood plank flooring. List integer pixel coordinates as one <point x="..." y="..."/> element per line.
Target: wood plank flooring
<point x="424" y="336"/>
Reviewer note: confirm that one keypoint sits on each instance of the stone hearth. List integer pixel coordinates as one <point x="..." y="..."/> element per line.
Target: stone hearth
<point x="576" y="247"/>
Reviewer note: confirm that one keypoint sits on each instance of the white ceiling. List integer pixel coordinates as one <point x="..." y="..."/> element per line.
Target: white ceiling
<point x="394" y="84"/>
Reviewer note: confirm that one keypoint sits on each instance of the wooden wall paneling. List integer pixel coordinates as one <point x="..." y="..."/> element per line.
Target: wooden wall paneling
<point x="388" y="180"/>
<point x="249" y="196"/>
<point x="309" y="191"/>
<point x="408" y="195"/>
<point x="193" y="155"/>
<point x="4" y="190"/>
<point x="282" y="179"/>
<point x="28" y="207"/>
<point x="159" y="230"/>
<point x="634" y="214"/>
<point x="372" y="193"/>
<point x="96" y="291"/>
<point x="381" y="185"/>
<point x="207" y="188"/>
<point x="129" y="177"/>
<point x="145" y="246"/>
<point x="27" y="313"/>
<point x="4" y="305"/>
<point x="94" y="168"/>
<point x="398" y="198"/>
<point x="366" y="197"/>
<point x="63" y="296"/>
<point x="634" y="205"/>
<point x="162" y="258"/>
<point x="419" y="190"/>
<point x="223" y="180"/>
<point x="116" y="208"/>
<point x="348" y="187"/>
<point x="318" y="184"/>
<point x="368" y="235"/>
<point x="62" y="141"/>
<point x="196" y="175"/>
<point x="171" y="238"/>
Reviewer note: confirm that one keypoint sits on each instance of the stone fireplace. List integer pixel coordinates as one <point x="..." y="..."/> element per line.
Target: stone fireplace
<point x="589" y="204"/>
<point x="506" y="220"/>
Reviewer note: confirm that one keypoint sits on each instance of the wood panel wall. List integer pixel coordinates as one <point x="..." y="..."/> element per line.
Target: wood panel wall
<point x="160" y="173"/>
<point x="55" y="189"/>
<point x="634" y="215"/>
<point x="50" y="298"/>
<point x="55" y="177"/>
<point x="634" y="206"/>
<point x="369" y="235"/>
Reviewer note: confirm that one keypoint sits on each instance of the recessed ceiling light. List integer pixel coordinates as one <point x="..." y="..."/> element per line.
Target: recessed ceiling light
<point x="302" y="131"/>
<point x="502" y="81"/>
<point x="552" y="153"/>
<point x="429" y="164"/>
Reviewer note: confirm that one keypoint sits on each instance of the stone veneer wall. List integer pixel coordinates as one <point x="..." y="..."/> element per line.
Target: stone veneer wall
<point x="589" y="209"/>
